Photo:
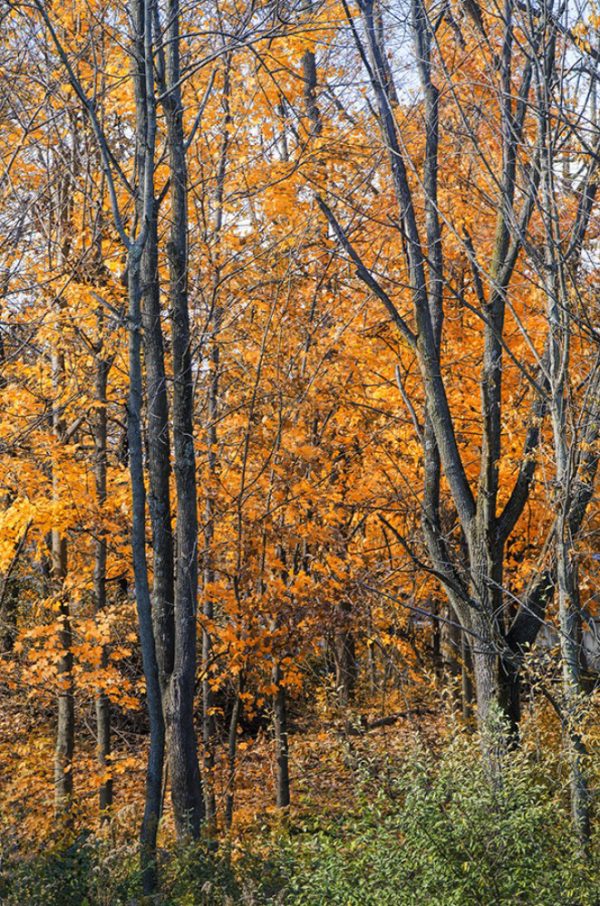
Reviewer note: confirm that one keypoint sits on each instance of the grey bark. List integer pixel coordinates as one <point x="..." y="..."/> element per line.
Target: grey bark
<point x="157" y="408"/>
<point x="142" y="285"/>
<point x="232" y="739"/>
<point x="103" y="717"/>
<point x="137" y="267"/>
<point x="280" y="726"/>
<point x="159" y="453"/>
<point x="186" y="785"/>
<point x="560" y="315"/>
<point x="210" y="515"/>
<point x="154" y="769"/>
<point x="210" y="511"/>
<point x="65" y="732"/>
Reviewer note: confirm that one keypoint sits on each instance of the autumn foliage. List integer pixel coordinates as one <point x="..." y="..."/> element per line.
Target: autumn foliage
<point x="350" y="251"/>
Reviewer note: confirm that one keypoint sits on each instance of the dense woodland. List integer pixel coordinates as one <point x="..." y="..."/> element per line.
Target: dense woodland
<point x="299" y="439"/>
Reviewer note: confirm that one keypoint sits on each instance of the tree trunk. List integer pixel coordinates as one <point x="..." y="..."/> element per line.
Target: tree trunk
<point x="186" y="784"/>
<point x="559" y="315"/>
<point x="210" y="513"/>
<point x="65" y="733"/>
<point x="436" y="641"/>
<point x="232" y="752"/>
<point x="157" y="409"/>
<point x="159" y="457"/>
<point x="102" y="702"/>
<point x="208" y="727"/>
<point x="570" y="646"/>
<point x="485" y="671"/>
<point x="466" y="677"/>
<point x="510" y="697"/>
<point x="345" y="660"/>
<point x="154" y="770"/>
<point x="280" y="726"/>
<point x="8" y="615"/>
<point x="569" y="612"/>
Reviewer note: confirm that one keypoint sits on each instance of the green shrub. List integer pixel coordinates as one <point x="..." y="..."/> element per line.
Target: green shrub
<point x="86" y="872"/>
<point x="447" y="837"/>
<point x="192" y="876"/>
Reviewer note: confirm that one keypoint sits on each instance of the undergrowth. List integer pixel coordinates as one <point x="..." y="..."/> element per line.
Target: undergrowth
<point x="440" y="833"/>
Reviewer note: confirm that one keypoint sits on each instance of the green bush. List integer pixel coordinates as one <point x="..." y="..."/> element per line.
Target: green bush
<point x="86" y="872"/>
<point x="192" y="876"/>
<point x="447" y="837"/>
<point x="92" y="872"/>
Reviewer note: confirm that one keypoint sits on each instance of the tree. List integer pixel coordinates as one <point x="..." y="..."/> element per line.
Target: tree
<point x="428" y="230"/>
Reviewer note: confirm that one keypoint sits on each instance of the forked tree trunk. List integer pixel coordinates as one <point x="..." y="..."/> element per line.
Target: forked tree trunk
<point x="186" y="784"/>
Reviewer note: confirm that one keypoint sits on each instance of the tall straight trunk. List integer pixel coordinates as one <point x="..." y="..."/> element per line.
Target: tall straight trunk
<point x="210" y="514"/>
<point x="9" y="596"/>
<point x="65" y="732"/>
<point x="103" y="728"/>
<point x="566" y="579"/>
<point x="138" y="268"/>
<point x="566" y="576"/>
<point x="232" y="751"/>
<point x="559" y="315"/>
<point x="280" y="726"/>
<point x="570" y="645"/>
<point x="154" y="770"/>
<point x="159" y="456"/>
<point x="186" y="785"/>
<point x="210" y="510"/>
<point x="157" y="407"/>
